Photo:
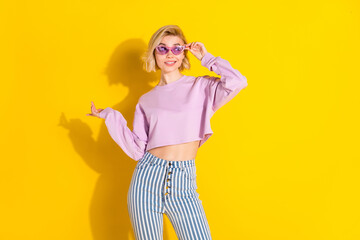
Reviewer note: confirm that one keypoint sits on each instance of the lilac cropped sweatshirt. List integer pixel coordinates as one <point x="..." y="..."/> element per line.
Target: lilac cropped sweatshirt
<point x="177" y="112"/>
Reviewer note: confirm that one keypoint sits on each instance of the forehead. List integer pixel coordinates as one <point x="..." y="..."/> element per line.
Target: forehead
<point x="171" y="40"/>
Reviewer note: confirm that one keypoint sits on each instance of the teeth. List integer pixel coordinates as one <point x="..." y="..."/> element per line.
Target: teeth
<point x="169" y="62"/>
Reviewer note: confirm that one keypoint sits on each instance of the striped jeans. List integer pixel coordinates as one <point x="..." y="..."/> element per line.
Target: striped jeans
<point x="161" y="186"/>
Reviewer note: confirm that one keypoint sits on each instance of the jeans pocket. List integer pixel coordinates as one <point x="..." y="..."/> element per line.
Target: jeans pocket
<point x="190" y="172"/>
<point x="141" y="164"/>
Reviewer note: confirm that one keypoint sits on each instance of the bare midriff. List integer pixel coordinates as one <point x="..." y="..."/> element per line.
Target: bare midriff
<point x="177" y="152"/>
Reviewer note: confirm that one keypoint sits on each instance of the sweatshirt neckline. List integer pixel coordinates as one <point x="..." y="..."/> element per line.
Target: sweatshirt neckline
<point x="171" y="84"/>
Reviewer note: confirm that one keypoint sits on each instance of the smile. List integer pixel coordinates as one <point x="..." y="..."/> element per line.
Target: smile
<point x="170" y="63"/>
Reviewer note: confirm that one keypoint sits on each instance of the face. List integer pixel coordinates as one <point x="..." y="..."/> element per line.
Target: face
<point x="169" y="41"/>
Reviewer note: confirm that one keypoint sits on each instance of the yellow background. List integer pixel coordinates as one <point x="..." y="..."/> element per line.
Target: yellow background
<point x="283" y="162"/>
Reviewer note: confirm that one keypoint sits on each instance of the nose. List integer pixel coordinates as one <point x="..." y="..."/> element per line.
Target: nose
<point x="170" y="54"/>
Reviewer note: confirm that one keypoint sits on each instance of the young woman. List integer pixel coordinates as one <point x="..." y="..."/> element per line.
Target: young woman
<point x="171" y="122"/>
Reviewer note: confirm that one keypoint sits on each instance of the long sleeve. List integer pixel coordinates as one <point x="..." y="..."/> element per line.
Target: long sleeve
<point x="133" y="143"/>
<point x="231" y="81"/>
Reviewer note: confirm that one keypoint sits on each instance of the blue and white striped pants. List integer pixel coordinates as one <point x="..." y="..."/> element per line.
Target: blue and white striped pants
<point x="161" y="186"/>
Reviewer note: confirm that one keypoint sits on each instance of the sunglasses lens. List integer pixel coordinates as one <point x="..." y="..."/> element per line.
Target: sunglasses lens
<point x="177" y="50"/>
<point x="162" y="50"/>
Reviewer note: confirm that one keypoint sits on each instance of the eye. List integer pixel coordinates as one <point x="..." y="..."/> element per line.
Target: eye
<point x="162" y="49"/>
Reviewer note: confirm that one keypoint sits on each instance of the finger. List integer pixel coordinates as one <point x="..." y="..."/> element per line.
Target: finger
<point x="188" y="47"/>
<point x="194" y="47"/>
<point x="197" y="45"/>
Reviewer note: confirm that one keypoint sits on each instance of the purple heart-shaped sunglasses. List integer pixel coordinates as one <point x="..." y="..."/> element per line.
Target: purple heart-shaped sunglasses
<point x="161" y="49"/>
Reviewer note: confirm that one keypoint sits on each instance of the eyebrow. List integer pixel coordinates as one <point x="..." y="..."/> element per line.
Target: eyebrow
<point x="165" y="45"/>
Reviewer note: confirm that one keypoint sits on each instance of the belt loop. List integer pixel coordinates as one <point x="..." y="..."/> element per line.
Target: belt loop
<point x="182" y="165"/>
<point x="152" y="160"/>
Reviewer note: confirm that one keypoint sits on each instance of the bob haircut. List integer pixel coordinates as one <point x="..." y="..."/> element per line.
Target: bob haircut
<point x="148" y="58"/>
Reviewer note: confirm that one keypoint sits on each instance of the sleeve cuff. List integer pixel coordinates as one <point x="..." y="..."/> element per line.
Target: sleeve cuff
<point x="207" y="60"/>
<point x="105" y="112"/>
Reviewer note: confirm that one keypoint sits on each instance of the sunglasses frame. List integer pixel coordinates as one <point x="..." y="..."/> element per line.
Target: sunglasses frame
<point x="170" y="48"/>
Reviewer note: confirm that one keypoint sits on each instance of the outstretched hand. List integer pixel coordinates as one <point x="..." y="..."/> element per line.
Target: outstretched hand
<point x="94" y="112"/>
<point x="197" y="49"/>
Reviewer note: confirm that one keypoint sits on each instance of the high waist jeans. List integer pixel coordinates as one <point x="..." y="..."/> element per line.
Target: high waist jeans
<point x="160" y="186"/>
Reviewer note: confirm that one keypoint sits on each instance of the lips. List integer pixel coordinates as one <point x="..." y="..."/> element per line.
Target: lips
<point x="170" y="63"/>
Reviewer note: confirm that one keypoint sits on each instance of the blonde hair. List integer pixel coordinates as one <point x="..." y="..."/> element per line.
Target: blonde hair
<point x="148" y="58"/>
